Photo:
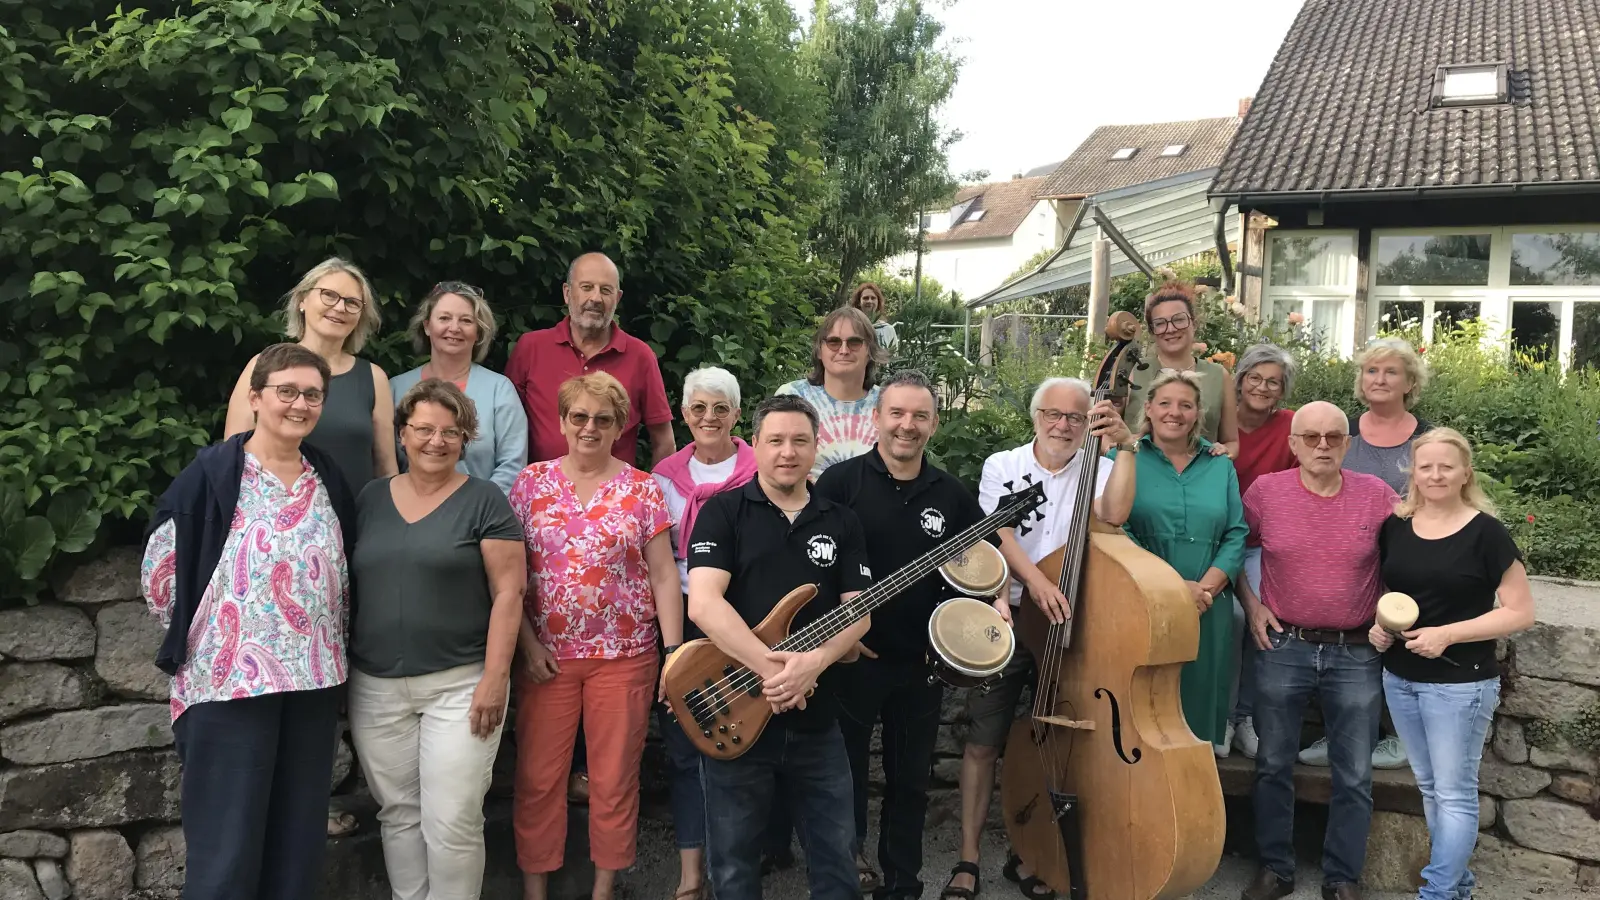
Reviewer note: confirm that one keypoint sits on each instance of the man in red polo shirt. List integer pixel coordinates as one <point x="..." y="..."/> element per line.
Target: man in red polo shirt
<point x="589" y="340"/>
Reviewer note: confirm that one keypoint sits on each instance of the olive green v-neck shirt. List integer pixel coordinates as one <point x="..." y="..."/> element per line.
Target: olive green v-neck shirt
<point x="422" y="592"/>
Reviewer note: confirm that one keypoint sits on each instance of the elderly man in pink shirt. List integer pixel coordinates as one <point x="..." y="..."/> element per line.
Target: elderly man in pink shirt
<point x="1318" y="528"/>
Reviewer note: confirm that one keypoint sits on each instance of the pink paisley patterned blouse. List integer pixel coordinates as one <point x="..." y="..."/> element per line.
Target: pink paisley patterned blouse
<point x="275" y="614"/>
<point x="589" y="593"/>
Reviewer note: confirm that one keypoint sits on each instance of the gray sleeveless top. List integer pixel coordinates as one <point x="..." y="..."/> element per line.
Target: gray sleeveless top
<point x="345" y="430"/>
<point x="1392" y="464"/>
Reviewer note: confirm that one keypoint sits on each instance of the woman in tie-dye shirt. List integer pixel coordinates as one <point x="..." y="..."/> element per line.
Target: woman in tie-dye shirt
<point x="842" y="386"/>
<point x="245" y="566"/>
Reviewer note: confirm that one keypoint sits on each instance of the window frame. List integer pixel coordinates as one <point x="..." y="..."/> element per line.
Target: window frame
<point x="1130" y="151"/>
<point x="1308" y="295"/>
<point x="1502" y="95"/>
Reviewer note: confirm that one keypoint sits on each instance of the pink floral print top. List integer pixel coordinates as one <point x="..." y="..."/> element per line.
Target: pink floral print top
<point x="589" y="593"/>
<point x="275" y="614"/>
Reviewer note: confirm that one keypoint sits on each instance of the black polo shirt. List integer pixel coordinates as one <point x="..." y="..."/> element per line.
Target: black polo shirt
<point x="903" y="520"/>
<point x="746" y="535"/>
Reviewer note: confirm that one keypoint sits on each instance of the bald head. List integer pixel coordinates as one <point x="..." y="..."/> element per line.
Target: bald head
<point x="595" y="263"/>
<point x="1319" y="437"/>
<point x="1320" y="415"/>
<point x="592" y="290"/>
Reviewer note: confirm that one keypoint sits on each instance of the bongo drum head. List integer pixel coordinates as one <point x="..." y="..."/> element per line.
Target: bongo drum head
<point x="1397" y="611"/>
<point x="980" y="570"/>
<point x="970" y="634"/>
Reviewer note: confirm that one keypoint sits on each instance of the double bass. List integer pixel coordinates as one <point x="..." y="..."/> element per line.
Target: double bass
<point x="1107" y="793"/>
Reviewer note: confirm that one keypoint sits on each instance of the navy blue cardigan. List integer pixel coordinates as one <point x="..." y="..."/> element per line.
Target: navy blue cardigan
<point x="202" y="500"/>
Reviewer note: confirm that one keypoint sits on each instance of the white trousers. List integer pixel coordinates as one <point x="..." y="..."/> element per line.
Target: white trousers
<point x="429" y="775"/>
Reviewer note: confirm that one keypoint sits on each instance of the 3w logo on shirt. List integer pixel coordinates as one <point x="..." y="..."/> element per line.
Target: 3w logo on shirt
<point x="821" y="550"/>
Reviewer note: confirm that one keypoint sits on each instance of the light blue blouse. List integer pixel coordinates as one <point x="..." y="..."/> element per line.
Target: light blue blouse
<point x="501" y="449"/>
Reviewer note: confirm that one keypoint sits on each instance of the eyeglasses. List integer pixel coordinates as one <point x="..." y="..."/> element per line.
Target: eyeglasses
<point x="429" y="432"/>
<point x="1335" y="439"/>
<point x="1179" y="321"/>
<point x="834" y="343"/>
<point x="1255" y="381"/>
<point x="1052" y="416"/>
<point x="331" y="298"/>
<point x="288" y="393"/>
<point x="717" y="411"/>
<point x="601" y="421"/>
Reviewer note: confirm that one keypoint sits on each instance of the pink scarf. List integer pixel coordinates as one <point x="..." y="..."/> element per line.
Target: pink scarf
<point x="675" y="469"/>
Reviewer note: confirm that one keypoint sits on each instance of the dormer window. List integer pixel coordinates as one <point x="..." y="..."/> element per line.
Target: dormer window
<point x="1125" y="153"/>
<point x="1479" y="84"/>
<point x="975" y="215"/>
<point x="1174" y="149"/>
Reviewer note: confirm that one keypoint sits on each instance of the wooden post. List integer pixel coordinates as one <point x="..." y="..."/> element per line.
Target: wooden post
<point x="1099" y="287"/>
<point x="1254" y="256"/>
<point x="986" y="340"/>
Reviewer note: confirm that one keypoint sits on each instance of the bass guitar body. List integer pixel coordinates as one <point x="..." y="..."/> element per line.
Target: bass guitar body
<point x="717" y="702"/>
<point x="1110" y="764"/>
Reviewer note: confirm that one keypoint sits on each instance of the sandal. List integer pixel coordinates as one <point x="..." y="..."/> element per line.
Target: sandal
<point x="703" y="892"/>
<point x="341" y="823"/>
<point x="868" y="877"/>
<point x="578" y="788"/>
<point x="1032" y="887"/>
<point x="951" y="892"/>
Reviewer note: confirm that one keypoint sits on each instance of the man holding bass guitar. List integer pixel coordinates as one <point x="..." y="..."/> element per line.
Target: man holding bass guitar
<point x="1062" y="421"/>
<point x="907" y="508"/>
<point x="751" y="547"/>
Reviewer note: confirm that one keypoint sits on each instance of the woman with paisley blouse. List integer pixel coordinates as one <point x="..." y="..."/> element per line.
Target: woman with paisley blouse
<point x="601" y="581"/>
<point x="245" y="565"/>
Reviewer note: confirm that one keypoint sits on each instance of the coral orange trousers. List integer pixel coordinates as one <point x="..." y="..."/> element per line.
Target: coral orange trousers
<point x="613" y="698"/>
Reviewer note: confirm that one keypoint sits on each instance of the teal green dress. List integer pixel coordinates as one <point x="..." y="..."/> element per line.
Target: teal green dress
<point x="1194" y="520"/>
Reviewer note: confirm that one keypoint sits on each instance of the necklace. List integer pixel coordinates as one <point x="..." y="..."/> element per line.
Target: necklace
<point x="796" y="508"/>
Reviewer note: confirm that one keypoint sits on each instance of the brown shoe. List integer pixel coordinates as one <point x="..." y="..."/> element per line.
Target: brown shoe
<point x="1267" y="886"/>
<point x="1346" y="891"/>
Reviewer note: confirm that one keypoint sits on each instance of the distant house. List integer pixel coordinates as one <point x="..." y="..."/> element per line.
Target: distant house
<point x="1429" y="161"/>
<point x="988" y="231"/>
<point x="1117" y="156"/>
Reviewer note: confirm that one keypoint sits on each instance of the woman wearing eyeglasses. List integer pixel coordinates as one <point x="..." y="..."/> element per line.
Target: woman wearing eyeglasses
<point x="602" y="587"/>
<point x="439" y="574"/>
<point x="245" y="566"/>
<point x="332" y="312"/>
<point x="842" y="386"/>
<point x="715" y="461"/>
<point x="456" y="327"/>
<point x="1169" y="315"/>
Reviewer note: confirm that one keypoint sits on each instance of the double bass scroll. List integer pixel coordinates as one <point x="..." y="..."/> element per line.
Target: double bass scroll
<point x="1107" y="793"/>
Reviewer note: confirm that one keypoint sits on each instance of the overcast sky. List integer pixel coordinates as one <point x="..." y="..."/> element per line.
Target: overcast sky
<point x="1039" y="75"/>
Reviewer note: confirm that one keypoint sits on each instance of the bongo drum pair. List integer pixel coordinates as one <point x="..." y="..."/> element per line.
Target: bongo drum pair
<point x="969" y="641"/>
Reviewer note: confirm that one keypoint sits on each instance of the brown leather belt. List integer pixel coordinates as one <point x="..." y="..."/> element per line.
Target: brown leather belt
<point x="1328" y="635"/>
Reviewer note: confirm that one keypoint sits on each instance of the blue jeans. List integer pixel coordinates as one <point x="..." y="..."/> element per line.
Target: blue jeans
<point x="1443" y="726"/>
<point x="810" y="773"/>
<point x="1244" y="668"/>
<point x="688" y="802"/>
<point x="1348" y="680"/>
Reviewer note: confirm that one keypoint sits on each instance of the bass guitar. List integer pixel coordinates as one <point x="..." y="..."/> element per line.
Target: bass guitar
<point x="718" y="701"/>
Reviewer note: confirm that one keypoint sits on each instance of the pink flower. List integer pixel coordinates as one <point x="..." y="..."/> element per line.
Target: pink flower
<point x="1530" y="518"/>
<point x="1237" y="308"/>
<point x="1296" y="318"/>
<point x="1198" y="347"/>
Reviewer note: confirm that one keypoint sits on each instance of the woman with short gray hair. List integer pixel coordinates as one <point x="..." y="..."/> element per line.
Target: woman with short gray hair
<point x="1262" y="384"/>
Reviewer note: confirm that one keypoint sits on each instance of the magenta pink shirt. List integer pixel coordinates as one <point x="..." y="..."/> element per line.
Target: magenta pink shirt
<point x="1319" y="555"/>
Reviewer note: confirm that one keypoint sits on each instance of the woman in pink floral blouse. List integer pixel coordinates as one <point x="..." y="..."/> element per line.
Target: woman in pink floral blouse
<point x="245" y="566"/>
<point x="602" y="586"/>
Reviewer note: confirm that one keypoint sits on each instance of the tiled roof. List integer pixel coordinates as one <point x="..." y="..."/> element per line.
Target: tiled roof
<point x="1090" y="169"/>
<point x="1005" y="205"/>
<point x="1347" y="103"/>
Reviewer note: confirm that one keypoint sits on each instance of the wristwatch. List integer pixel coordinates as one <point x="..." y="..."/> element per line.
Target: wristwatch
<point x="669" y="650"/>
<point x="1130" y="447"/>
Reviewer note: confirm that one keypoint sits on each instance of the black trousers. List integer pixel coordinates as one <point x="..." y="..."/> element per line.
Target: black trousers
<point x="256" y="776"/>
<point x="900" y="695"/>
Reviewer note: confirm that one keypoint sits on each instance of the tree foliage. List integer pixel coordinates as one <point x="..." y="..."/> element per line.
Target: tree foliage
<point x="886" y="74"/>
<point x="167" y="173"/>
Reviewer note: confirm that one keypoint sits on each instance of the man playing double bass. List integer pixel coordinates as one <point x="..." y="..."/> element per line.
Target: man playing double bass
<point x="907" y="508"/>
<point x="751" y="547"/>
<point x="1062" y="418"/>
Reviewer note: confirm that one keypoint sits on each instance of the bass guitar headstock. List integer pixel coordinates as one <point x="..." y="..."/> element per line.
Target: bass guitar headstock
<point x="1018" y="506"/>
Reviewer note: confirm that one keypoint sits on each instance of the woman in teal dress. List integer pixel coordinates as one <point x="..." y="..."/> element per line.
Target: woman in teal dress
<point x="1186" y="510"/>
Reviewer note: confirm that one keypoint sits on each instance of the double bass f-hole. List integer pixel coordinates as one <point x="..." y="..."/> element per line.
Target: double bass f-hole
<point x="1130" y="757"/>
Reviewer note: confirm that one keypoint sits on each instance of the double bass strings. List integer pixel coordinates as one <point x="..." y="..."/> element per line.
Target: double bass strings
<point x="742" y="680"/>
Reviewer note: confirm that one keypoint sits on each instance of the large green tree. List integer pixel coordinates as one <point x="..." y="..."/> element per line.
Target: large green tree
<point x="166" y="174"/>
<point x="886" y="73"/>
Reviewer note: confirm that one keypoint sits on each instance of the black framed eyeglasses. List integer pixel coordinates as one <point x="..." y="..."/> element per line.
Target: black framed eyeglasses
<point x="288" y="393"/>
<point x="332" y="298"/>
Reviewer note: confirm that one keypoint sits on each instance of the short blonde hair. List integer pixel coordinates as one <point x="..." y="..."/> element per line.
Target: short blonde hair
<point x="601" y="386"/>
<point x="445" y="395"/>
<point x="1175" y="376"/>
<point x="366" y="325"/>
<point x="487" y="326"/>
<point x="1471" y="493"/>
<point x="1410" y="360"/>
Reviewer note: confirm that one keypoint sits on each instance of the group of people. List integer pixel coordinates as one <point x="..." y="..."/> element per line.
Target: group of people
<point x="419" y="553"/>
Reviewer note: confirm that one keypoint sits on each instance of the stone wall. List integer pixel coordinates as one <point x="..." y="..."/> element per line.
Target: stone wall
<point x="89" y="782"/>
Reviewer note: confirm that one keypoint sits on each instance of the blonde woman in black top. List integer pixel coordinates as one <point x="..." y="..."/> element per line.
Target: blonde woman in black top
<point x="1444" y="547"/>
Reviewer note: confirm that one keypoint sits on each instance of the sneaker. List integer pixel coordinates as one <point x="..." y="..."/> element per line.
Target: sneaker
<point x="1316" y="754"/>
<point x="1226" y="746"/>
<point x="1390" y="754"/>
<point x="1245" y="739"/>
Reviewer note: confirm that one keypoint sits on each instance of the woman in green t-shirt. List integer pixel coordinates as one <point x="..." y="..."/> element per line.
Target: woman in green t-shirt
<point x="1169" y="316"/>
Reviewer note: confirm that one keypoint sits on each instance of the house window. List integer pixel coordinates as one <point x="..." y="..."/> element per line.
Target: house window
<point x="1311" y="260"/>
<point x="1312" y="273"/>
<point x="1174" y="149"/>
<point x="1569" y="258"/>
<point x="1125" y="153"/>
<point x="974" y="216"/>
<point x="1471" y="85"/>
<point x="1424" y="260"/>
